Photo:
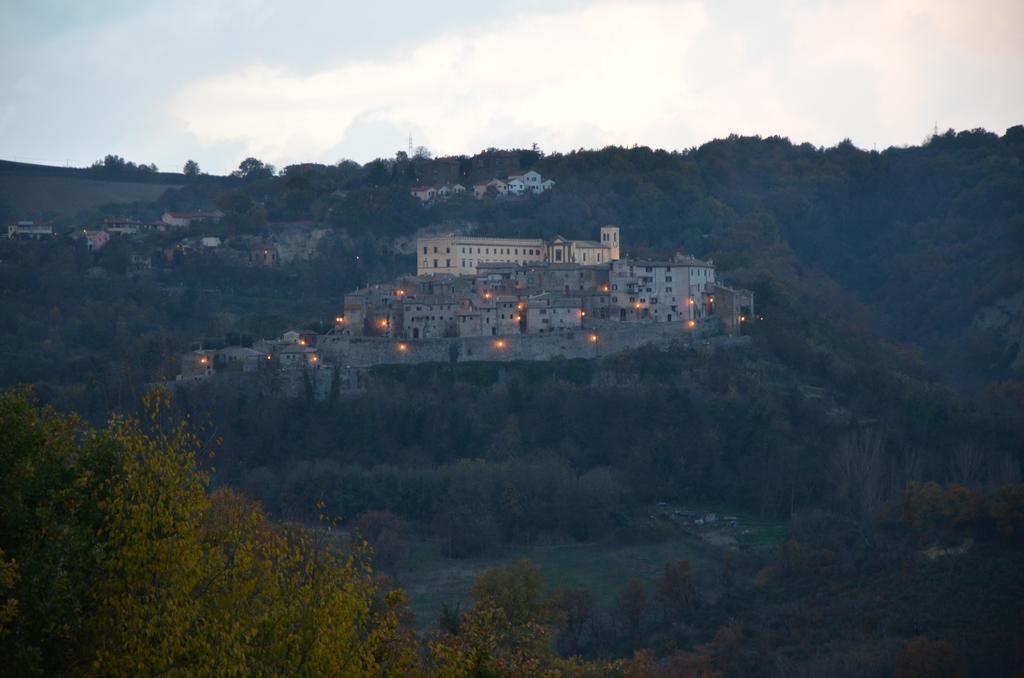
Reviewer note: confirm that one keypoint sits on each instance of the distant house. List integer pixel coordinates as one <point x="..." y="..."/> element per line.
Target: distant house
<point x="424" y="193"/>
<point x="95" y="240"/>
<point x="137" y="263"/>
<point x="240" y="358"/>
<point x="515" y="186"/>
<point x="481" y="189"/>
<point x="263" y="255"/>
<point x="30" y="230"/>
<point x="196" y="365"/>
<point x="210" y="242"/>
<point x="531" y="180"/>
<point x="185" y="219"/>
<point x="546" y="185"/>
<point x="298" y="355"/>
<point x="122" y="226"/>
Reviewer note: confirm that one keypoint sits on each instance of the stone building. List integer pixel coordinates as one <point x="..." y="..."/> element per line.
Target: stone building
<point x="733" y="307"/>
<point x="462" y="255"/>
<point x="662" y="291"/>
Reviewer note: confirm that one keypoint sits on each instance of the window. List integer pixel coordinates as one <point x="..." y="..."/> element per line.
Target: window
<point x="668" y="278"/>
<point x="424" y="250"/>
<point x="448" y="263"/>
<point x="435" y="263"/>
<point x="447" y="250"/>
<point x="435" y="249"/>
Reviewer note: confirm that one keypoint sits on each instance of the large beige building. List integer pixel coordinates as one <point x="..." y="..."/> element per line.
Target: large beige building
<point x="461" y="254"/>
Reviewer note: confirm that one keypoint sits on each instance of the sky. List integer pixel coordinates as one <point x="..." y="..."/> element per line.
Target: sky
<point x="320" y="81"/>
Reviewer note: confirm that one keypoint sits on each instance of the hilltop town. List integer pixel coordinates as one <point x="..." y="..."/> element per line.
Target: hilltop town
<point x="481" y="298"/>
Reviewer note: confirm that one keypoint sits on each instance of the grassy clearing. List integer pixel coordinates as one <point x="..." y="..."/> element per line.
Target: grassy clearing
<point x="66" y="196"/>
<point x="431" y="580"/>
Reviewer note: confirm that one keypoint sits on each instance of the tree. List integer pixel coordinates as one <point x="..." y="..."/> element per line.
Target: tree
<point x="573" y="611"/>
<point x="252" y="169"/>
<point x="923" y="657"/>
<point x="126" y="566"/>
<point x="386" y="534"/>
<point x="191" y="169"/>
<point x="676" y="589"/>
<point x="515" y="589"/>
<point x="632" y="603"/>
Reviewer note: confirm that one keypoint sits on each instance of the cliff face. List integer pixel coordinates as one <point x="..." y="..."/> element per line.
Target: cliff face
<point x="1003" y="320"/>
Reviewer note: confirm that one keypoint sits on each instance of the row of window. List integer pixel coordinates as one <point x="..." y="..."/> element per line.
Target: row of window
<point x="530" y="251"/>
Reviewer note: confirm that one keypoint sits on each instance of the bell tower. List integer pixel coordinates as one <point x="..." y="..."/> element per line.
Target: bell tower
<point x="610" y="239"/>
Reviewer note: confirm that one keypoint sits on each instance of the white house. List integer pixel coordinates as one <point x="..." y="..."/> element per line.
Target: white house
<point x="546" y="185"/>
<point x="184" y="219"/>
<point x="531" y="180"/>
<point x="516" y="186"/>
<point x="34" y="230"/>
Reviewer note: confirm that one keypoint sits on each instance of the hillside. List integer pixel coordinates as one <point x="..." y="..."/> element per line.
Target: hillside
<point x="879" y="508"/>
<point x="67" y="196"/>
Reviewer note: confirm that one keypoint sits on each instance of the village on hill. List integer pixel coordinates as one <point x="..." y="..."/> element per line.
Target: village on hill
<point x="480" y="298"/>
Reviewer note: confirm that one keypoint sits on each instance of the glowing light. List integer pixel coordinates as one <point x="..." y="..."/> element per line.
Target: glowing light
<point x="583" y="314"/>
<point x="711" y="300"/>
<point x="604" y="288"/>
<point x="403" y="347"/>
<point x="519" y="318"/>
<point x="743" y="318"/>
<point x="521" y="306"/>
<point x="302" y="342"/>
<point x="499" y="344"/>
<point x="203" y="361"/>
<point x="487" y="295"/>
<point x="270" y="357"/>
<point x="690" y="301"/>
<point x="384" y="323"/>
<point x="400" y="293"/>
<point x="637" y="305"/>
<point x="339" y="320"/>
<point x="593" y="338"/>
<point x="691" y="323"/>
<point x="313" y="358"/>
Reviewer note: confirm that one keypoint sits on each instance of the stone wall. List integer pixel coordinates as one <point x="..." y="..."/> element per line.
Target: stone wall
<point x="597" y="340"/>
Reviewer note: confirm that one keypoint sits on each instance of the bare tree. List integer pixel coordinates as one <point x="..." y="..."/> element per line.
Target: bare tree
<point x="857" y="471"/>
<point x="967" y="465"/>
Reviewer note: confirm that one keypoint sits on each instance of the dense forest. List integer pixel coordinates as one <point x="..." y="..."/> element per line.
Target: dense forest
<point x="876" y="416"/>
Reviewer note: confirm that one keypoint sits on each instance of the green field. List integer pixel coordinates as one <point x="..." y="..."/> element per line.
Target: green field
<point x="66" y="196"/>
<point x="431" y="580"/>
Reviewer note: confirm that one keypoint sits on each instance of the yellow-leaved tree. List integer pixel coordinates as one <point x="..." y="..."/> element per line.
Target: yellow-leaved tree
<point x="193" y="583"/>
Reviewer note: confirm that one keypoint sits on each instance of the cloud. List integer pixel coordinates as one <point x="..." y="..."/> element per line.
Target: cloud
<point x="319" y="80"/>
<point x="602" y="74"/>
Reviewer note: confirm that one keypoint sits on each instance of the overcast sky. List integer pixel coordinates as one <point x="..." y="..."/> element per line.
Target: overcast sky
<point x="309" y="80"/>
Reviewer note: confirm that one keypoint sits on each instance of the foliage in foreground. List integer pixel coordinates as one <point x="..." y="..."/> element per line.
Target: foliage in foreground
<point x="116" y="561"/>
